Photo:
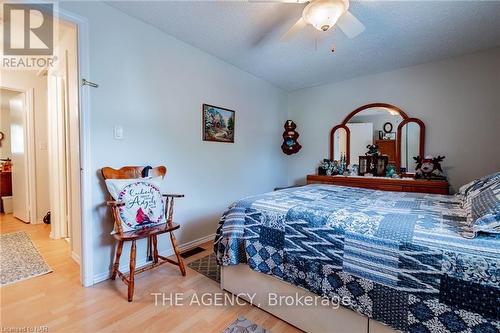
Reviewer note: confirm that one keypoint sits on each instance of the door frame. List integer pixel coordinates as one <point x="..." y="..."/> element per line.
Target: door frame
<point x="86" y="229"/>
<point x="29" y="144"/>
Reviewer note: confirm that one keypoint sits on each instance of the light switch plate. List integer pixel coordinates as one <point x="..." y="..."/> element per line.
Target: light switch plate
<point x="118" y="132"/>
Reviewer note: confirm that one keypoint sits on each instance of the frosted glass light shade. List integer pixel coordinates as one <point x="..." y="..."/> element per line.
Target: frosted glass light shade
<point x="323" y="14"/>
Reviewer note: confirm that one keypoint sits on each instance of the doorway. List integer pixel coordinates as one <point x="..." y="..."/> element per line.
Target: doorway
<point x="40" y="151"/>
<point x="14" y="150"/>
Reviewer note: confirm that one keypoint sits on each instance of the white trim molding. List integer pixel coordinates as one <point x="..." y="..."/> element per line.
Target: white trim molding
<point x="75" y="257"/>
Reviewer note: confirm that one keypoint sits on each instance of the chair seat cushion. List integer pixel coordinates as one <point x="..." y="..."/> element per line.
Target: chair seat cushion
<point x="143" y="202"/>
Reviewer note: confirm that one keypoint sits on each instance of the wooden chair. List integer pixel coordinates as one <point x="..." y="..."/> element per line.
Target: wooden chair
<point x="151" y="233"/>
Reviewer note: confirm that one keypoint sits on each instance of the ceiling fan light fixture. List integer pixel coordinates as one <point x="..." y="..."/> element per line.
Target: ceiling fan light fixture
<point x="323" y="14"/>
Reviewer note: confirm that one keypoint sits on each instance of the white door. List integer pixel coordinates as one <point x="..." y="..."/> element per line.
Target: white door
<point x="57" y="157"/>
<point x="19" y="148"/>
<point x="361" y="135"/>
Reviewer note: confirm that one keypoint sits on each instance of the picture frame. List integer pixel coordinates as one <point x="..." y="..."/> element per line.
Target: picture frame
<point x="390" y="136"/>
<point x="364" y="165"/>
<point x="218" y="124"/>
<point x="380" y="164"/>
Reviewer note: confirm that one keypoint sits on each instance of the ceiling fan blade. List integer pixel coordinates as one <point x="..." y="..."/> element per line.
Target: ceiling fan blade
<point x="350" y="25"/>
<point x="294" y="30"/>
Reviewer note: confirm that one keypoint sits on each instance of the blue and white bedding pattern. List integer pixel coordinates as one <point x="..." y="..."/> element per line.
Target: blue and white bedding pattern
<point x="399" y="257"/>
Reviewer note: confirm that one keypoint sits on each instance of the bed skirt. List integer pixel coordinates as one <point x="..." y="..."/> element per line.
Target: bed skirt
<point x="288" y="302"/>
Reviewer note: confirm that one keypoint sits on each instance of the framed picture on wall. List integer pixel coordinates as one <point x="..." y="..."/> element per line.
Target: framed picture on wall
<point x="218" y="124"/>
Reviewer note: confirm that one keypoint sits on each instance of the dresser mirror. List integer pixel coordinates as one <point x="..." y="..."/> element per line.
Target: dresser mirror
<point x="398" y="137"/>
<point x="410" y="145"/>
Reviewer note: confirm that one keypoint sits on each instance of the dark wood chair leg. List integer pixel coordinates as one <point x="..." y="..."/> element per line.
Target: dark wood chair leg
<point x="132" y="272"/>
<point x="116" y="265"/>
<point x="154" y="240"/>
<point x="178" y="254"/>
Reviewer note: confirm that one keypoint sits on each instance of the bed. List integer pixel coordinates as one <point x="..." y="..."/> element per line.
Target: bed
<point x="398" y="258"/>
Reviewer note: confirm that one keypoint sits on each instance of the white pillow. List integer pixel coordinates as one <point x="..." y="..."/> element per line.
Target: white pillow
<point x="144" y="204"/>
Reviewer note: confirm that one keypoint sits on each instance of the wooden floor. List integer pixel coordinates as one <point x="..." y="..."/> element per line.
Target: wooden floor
<point x="58" y="302"/>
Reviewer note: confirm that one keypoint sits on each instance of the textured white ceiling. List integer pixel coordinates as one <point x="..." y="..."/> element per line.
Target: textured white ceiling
<point x="398" y="34"/>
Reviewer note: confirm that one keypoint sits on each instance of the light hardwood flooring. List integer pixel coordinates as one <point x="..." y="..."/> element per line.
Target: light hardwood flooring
<point x="58" y="302"/>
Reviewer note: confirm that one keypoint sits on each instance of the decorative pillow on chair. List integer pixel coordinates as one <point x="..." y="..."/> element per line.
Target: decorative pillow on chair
<point x="144" y="205"/>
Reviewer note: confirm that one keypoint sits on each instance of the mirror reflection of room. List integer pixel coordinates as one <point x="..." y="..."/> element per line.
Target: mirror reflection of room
<point x="378" y="126"/>
<point x="367" y="128"/>
<point x="410" y="141"/>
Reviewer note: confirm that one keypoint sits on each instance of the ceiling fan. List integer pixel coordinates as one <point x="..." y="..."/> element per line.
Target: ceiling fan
<point x="325" y="14"/>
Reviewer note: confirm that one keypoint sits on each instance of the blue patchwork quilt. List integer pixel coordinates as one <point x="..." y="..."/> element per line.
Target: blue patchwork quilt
<point x="398" y="257"/>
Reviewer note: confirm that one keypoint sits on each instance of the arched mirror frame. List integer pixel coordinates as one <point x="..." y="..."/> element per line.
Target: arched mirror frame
<point x="421" y="144"/>
<point x="405" y="121"/>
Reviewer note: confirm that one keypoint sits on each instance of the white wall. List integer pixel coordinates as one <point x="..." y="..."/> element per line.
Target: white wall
<point x="457" y="99"/>
<point x="27" y="80"/>
<point x="154" y="85"/>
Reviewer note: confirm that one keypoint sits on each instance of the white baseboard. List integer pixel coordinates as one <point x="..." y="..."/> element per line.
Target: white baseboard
<point x="124" y="267"/>
<point x="75" y="257"/>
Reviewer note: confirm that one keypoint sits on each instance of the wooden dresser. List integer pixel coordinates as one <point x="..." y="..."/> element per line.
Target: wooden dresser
<point x="387" y="147"/>
<point x="384" y="184"/>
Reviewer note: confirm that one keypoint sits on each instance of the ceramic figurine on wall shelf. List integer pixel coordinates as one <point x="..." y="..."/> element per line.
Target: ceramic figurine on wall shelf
<point x="290" y="144"/>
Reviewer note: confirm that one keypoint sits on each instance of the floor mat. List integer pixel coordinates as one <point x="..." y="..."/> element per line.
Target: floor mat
<point x="243" y="325"/>
<point x="19" y="259"/>
<point x="207" y="266"/>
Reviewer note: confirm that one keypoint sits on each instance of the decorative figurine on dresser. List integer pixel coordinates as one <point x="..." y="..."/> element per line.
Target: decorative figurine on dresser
<point x="372" y="150"/>
<point x="429" y="167"/>
<point x="290" y="144"/>
<point x="386" y="162"/>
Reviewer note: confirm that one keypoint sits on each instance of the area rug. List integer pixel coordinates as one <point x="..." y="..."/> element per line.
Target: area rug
<point x="207" y="266"/>
<point x="243" y="325"/>
<point x="19" y="259"/>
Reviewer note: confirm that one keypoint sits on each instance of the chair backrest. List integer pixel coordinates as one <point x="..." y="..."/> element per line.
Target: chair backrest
<point x="130" y="172"/>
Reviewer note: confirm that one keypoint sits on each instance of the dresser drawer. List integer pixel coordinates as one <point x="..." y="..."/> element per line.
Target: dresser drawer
<point x="383" y="184"/>
<point x="395" y="188"/>
<point x="423" y="189"/>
